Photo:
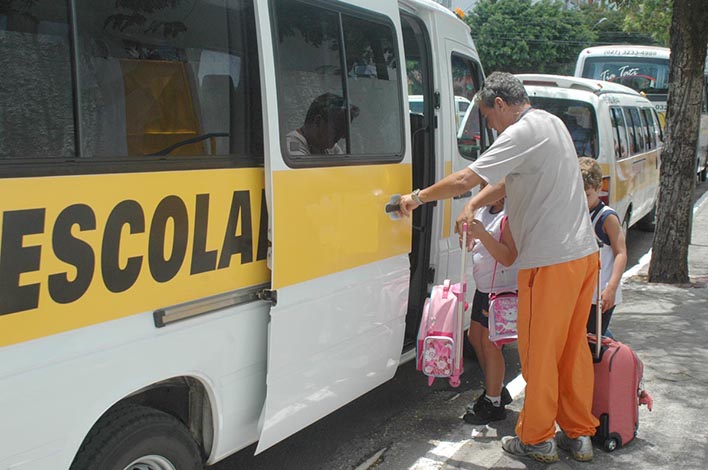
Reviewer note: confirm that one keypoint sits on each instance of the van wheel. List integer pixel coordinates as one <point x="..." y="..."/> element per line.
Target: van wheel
<point x="648" y="222"/>
<point x="138" y="438"/>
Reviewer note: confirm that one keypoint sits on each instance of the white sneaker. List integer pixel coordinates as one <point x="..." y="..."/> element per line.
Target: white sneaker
<point x="580" y="447"/>
<point x="545" y="452"/>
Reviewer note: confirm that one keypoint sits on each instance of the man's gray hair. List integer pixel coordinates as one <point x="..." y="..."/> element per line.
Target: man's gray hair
<point x="505" y="86"/>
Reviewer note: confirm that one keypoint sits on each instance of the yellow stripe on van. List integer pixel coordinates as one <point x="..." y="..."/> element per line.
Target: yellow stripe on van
<point x="447" y="206"/>
<point x="81" y="250"/>
<point x="332" y="219"/>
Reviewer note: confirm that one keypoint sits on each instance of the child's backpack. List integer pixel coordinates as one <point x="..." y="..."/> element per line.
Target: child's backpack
<point x="440" y="336"/>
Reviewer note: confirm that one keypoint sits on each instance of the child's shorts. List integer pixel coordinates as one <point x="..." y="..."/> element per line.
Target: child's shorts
<point x="480" y="308"/>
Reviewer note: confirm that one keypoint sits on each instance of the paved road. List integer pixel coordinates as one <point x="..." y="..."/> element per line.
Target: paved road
<point x="404" y="412"/>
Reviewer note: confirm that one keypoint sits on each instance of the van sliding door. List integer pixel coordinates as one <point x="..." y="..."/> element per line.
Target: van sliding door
<point x="336" y="150"/>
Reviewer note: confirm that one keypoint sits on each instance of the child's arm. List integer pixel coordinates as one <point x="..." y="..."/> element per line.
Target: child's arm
<point x="611" y="226"/>
<point x="504" y="251"/>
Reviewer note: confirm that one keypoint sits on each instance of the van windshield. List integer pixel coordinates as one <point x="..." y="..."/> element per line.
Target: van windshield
<point x="580" y="119"/>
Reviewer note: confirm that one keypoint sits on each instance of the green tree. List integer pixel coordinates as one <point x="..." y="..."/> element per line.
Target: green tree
<point x="609" y="25"/>
<point x="652" y="16"/>
<point x="689" y="35"/>
<point x="524" y="36"/>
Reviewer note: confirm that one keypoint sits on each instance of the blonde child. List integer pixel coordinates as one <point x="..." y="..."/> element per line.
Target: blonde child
<point x="613" y="252"/>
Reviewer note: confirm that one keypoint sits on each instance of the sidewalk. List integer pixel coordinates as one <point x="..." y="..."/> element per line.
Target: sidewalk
<point x="668" y="328"/>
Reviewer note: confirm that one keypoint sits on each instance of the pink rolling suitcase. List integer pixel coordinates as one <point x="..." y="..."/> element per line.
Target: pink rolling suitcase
<point x="440" y="336"/>
<point x="618" y="391"/>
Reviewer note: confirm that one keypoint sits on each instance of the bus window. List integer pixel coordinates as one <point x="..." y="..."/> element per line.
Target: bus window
<point x="173" y="79"/>
<point x="36" y="100"/>
<point x="650" y="130"/>
<point x="336" y="98"/>
<point x="619" y="132"/>
<point x="648" y="74"/>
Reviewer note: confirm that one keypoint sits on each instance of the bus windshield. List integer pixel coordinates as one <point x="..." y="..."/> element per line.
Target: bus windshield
<point x="650" y="75"/>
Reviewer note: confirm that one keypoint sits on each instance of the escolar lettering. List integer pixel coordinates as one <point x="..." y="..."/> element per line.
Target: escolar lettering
<point x="171" y="212"/>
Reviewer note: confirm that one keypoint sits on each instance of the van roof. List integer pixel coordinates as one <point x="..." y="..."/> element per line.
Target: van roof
<point x="429" y="5"/>
<point x="597" y="87"/>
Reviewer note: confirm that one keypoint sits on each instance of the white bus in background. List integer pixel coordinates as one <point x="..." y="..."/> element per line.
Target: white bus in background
<point x="646" y="70"/>
<point x="179" y="281"/>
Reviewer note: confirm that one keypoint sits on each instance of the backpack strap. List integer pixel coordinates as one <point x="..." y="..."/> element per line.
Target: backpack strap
<point x="501" y="234"/>
<point x="599" y="218"/>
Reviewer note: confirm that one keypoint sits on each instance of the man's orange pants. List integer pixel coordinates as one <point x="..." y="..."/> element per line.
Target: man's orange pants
<point x="554" y="305"/>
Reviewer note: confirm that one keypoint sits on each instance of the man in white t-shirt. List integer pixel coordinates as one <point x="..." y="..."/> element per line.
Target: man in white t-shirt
<point x="325" y="125"/>
<point x="534" y="164"/>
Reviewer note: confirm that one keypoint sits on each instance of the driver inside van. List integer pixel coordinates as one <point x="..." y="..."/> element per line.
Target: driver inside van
<point x="325" y="125"/>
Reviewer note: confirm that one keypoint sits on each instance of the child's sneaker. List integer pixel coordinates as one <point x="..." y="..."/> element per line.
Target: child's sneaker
<point x="505" y="400"/>
<point x="545" y="452"/>
<point x="486" y="413"/>
<point x="580" y="447"/>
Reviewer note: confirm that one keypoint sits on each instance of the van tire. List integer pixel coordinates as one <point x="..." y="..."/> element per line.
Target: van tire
<point x="648" y="222"/>
<point x="138" y="435"/>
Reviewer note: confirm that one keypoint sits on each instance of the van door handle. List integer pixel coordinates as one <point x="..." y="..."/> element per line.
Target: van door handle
<point x="463" y="195"/>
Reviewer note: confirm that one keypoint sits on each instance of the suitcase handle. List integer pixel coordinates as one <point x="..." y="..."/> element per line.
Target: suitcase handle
<point x="461" y="301"/>
<point x="598" y="313"/>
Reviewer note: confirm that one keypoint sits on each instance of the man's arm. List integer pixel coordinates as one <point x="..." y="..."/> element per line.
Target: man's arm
<point x="452" y="185"/>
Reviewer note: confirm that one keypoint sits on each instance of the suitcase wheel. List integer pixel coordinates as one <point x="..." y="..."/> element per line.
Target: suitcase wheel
<point x="610" y="444"/>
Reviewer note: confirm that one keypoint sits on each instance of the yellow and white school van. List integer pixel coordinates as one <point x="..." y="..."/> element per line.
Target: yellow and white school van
<point x="614" y="125"/>
<point x="194" y="249"/>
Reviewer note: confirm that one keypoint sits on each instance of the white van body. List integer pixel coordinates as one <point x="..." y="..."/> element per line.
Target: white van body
<point x="317" y="292"/>
<point x="591" y="109"/>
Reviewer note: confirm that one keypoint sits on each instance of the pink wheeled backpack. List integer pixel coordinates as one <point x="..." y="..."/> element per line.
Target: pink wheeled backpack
<point x="440" y="336"/>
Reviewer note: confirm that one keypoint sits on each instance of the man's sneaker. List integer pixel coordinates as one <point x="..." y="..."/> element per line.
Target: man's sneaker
<point x="580" y="447"/>
<point x="505" y="400"/>
<point x="545" y="452"/>
<point x="486" y="412"/>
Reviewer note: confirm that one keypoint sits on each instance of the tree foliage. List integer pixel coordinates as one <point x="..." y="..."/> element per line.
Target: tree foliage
<point x="547" y="36"/>
<point x="609" y="26"/>
<point x="652" y="16"/>
<point x="523" y="36"/>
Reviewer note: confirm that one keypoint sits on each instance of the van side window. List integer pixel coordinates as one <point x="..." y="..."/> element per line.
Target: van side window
<point x="657" y="125"/>
<point x="339" y="87"/>
<point x="638" y="119"/>
<point x="619" y="132"/>
<point x="631" y="133"/>
<point x="634" y="126"/>
<point x="650" y="130"/>
<point x="168" y="79"/>
<point x="36" y="99"/>
<point x="466" y="78"/>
